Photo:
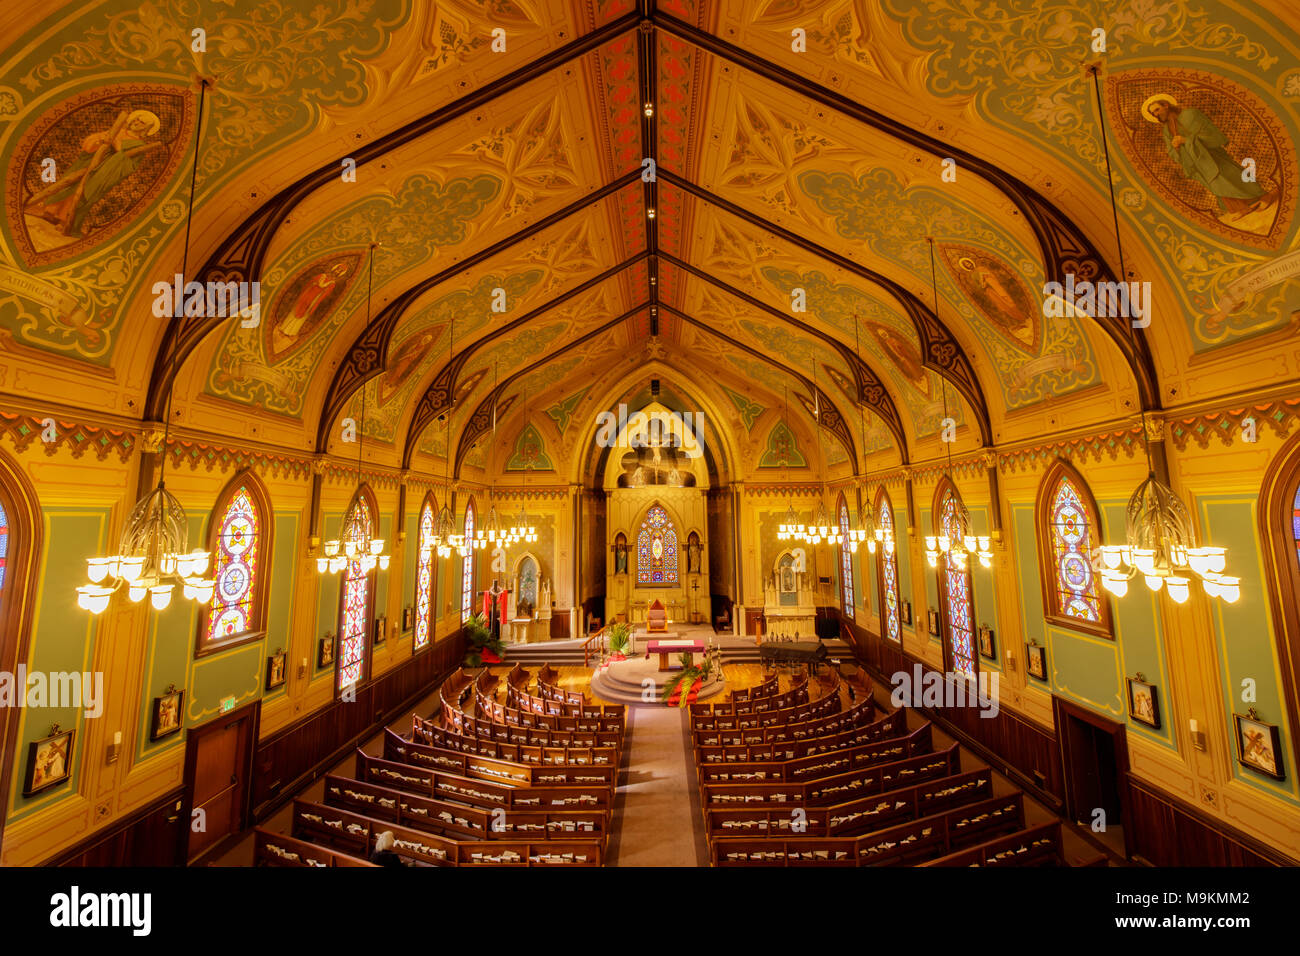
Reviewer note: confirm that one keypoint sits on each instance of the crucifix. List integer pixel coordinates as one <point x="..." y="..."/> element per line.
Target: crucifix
<point x="695" y="599"/>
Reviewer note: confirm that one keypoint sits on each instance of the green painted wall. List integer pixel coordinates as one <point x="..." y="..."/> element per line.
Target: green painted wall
<point x="63" y="640"/>
<point x="1243" y="633"/>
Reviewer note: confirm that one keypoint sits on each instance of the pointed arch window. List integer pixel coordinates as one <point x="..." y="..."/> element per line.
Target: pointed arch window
<point x="4" y="547"/>
<point x="846" y="560"/>
<point x="888" y="573"/>
<point x="656" y="549"/>
<point x="241" y="550"/>
<point x="467" y="566"/>
<point x="1069" y="533"/>
<point x="424" y="577"/>
<point x="354" y="619"/>
<point x="955" y="590"/>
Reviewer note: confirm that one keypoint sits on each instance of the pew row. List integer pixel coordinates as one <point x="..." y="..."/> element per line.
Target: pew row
<point x="276" y="849"/>
<point x="480" y="793"/>
<point x="486" y="768"/>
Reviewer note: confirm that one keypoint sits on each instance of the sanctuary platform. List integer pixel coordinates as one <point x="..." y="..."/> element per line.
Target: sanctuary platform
<point x="622" y="682"/>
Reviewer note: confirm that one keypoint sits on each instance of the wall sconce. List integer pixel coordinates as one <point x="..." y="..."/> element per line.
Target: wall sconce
<point x="1198" y="738"/>
<point x="302" y="668"/>
<point x="115" y="748"/>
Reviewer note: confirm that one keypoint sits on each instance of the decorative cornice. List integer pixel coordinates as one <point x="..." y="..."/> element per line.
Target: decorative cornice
<point x="220" y="458"/>
<point x="1228" y="425"/>
<point x="1080" y="448"/>
<point x="23" y="429"/>
<point x="809" y="489"/>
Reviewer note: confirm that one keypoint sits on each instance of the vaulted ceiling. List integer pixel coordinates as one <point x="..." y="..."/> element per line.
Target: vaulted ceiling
<point x="793" y="155"/>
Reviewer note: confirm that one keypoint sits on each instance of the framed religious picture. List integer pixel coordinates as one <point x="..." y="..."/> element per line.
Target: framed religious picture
<point x="1259" y="745"/>
<point x="1036" y="655"/>
<point x="408" y="618"/>
<point x="987" y="647"/>
<point x="906" y="613"/>
<point x="275" y="670"/>
<point x="1143" y="704"/>
<point x="325" y="656"/>
<point x="932" y="622"/>
<point x="49" y="761"/>
<point x="167" y="713"/>
<point x="381" y="629"/>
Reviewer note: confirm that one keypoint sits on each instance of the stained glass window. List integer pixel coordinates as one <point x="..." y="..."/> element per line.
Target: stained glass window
<point x="467" y="568"/>
<point x="1295" y="531"/>
<point x="846" y="561"/>
<point x="1071" y="550"/>
<point x="237" y="566"/>
<point x="356" y="610"/>
<point x="4" y="544"/>
<point x="656" y="549"/>
<point x="957" y="589"/>
<point x="889" y="573"/>
<point x="424" y="577"/>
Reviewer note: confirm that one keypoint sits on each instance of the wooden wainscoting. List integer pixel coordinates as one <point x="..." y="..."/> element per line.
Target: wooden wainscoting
<point x="1164" y="831"/>
<point x="150" y="837"/>
<point x="304" y="750"/>
<point x="1017" y="747"/>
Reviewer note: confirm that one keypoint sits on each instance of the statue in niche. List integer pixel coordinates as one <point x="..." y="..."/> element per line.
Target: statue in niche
<point x="693" y="551"/>
<point x="620" y="554"/>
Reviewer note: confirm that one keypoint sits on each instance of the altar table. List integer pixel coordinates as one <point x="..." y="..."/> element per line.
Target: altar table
<point x="664" y="648"/>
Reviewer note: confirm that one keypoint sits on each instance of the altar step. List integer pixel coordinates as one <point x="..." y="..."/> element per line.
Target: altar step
<point x="622" y="682"/>
<point x="735" y="650"/>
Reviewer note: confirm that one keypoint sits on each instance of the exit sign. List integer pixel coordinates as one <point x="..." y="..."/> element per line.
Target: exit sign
<point x="228" y="705"/>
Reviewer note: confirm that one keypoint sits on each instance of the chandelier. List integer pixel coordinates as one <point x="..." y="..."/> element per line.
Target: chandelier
<point x="153" y="555"/>
<point x="1159" y="541"/>
<point x="1161" y="546"/>
<point x="520" y="529"/>
<point x="963" y="544"/>
<point x="866" y="528"/>
<point x="355" y="543"/>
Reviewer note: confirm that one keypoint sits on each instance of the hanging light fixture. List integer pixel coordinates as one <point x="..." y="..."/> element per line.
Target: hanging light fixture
<point x="493" y="534"/>
<point x="790" y="528"/>
<point x="866" y="528"/>
<point x="445" y="537"/>
<point x="520" y="529"/>
<point x="355" y="541"/>
<point x="153" y="556"/>
<point x="823" y="529"/>
<point x="962" y="546"/>
<point x="1159" y="539"/>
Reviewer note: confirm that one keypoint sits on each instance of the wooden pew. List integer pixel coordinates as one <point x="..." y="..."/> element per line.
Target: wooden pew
<point x="924" y="838"/>
<point x="819" y="766"/>
<point x="857" y="816"/>
<point x="1034" y="846"/>
<point x="860" y="714"/>
<point x="276" y="849"/>
<point x="860" y="782"/>
<point x="484" y="768"/>
<point x="475" y="792"/>
<point x="892" y="725"/>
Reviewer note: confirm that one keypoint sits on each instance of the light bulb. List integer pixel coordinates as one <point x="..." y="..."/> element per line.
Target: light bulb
<point x="131" y="569"/>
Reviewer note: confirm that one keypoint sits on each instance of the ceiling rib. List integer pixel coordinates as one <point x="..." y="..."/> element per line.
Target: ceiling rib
<point x="367" y="355"/>
<point x="242" y="254"/>
<point x="438" y="395"/>
<point x="1065" y="247"/>
<point x="940" y="349"/>
<point x="480" y="421"/>
<point x="830" y="418"/>
<point x="967" y="386"/>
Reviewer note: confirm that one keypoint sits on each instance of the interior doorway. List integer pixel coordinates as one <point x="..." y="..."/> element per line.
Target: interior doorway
<point x="1094" y="762"/>
<point x="218" y="771"/>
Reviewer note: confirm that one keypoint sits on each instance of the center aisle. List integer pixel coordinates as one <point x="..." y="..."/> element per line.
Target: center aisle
<point x="658" y="821"/>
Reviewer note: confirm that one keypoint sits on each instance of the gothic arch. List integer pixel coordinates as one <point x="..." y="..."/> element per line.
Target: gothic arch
<point x="265" y="534"/>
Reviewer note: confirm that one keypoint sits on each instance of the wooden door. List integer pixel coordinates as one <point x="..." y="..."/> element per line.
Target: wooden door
<point x="218" y="767"/>
<point x="1094" y="762"/>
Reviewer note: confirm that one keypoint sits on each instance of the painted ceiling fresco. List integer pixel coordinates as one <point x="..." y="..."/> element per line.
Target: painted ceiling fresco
<point x="501" y="178"/>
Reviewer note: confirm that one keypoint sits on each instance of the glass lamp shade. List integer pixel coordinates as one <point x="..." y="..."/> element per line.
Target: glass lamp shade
<point x="136" y="592"/>
<point x="160" y="596"/>
<point x="99" y="568"/>
<point x="1154" y="581"/>
<point x="322" y="564"/>
<point x="383" y="562"/>
<point x="944" y="543"/>
<point x="93" y="598"/>
<point x="331" y="549"/>
<point x="1177" y="588"/>
<point x="130" y="569"/>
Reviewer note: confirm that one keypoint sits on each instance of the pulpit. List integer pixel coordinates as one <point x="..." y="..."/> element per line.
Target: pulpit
<point x="656" y="619"/>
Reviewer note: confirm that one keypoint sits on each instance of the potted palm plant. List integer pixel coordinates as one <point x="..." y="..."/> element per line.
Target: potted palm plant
<point x="684" y="686"/>
<point x="620" y="640"/>
<point x="481" y="646"/>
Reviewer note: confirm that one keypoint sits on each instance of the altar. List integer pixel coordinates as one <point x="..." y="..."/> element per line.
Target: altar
<point x="789" y="600"/>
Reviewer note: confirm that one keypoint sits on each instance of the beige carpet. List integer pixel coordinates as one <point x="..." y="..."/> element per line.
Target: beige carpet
<point x="657" y="820"/>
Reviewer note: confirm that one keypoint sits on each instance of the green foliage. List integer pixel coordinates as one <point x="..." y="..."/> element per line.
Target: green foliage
<point x="686" y="677"/>
<point x="478" y="637"/>
<point x="620" y="638"/>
